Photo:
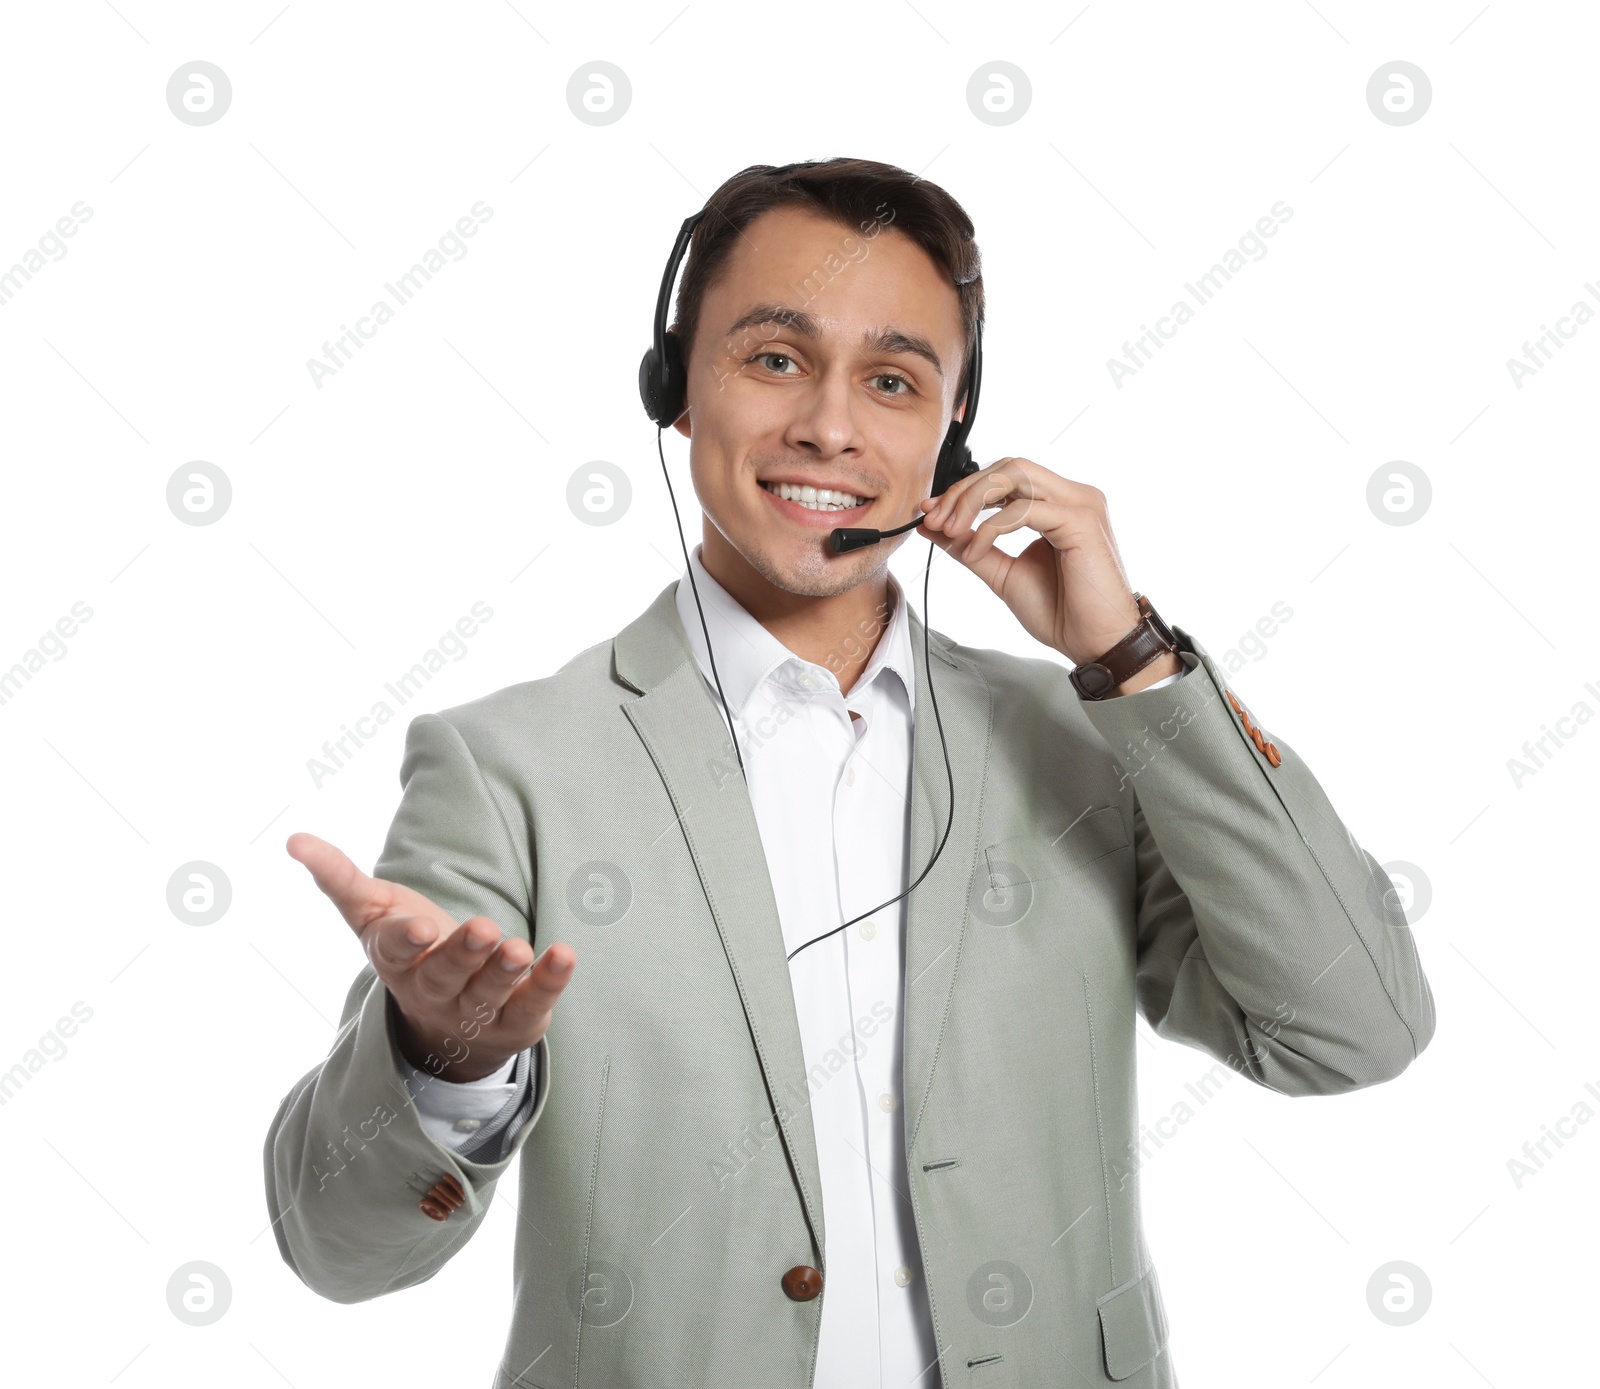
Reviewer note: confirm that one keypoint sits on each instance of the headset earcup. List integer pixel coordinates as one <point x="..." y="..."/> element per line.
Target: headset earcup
<point x="650" y="384"/>
<point x="955" y="462"/>
<point x="662" y="381"/>
<point x="674" y="379"/>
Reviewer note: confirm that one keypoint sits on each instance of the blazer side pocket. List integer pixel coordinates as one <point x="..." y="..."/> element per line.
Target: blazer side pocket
<point x="1133" y="1324"/>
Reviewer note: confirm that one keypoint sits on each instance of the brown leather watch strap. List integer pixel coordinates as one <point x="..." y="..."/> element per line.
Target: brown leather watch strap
<point x="1100" y="678"/>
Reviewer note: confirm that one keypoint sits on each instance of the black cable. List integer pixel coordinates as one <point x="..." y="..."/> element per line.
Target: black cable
<point x="695" y="588"/>
<point x="927" y="662"/>
<point x="950" y="777"/>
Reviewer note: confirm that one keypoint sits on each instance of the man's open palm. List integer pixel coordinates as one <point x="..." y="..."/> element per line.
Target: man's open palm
<point x="465" y="993"/>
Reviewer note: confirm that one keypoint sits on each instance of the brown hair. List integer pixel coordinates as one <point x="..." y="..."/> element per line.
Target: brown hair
<point x="860" y="194"/>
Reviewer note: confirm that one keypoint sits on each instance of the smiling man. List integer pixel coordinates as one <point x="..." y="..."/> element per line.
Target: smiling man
<point x="843" y="1091"/>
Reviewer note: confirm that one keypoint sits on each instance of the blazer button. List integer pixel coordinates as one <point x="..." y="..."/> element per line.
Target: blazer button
<point x="802" y="1283"/>
<point x="443" y="1197"/>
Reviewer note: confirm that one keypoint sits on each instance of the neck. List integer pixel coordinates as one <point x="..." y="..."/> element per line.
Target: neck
<point x="838" y="632"/>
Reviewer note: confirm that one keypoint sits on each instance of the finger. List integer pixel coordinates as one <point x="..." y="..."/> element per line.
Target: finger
<point x="1012" y="477"/>
<point x="1080" y="537"/>
<point x="440" y="975"/>
<point x="394" y="943"/>
<point x="345" y="885"/>
<point x="1065" y="526"/>
<point x="959" y="503"/>
<point x="529" y="1005"/>
<point x="939" y="507"/>
<point x="494" y="980"/>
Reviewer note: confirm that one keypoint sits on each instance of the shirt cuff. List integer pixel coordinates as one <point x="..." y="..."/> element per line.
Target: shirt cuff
<point x="1168" y="680"/>
<point x="1165" y="680"/>
<point x="467" y="1115"/>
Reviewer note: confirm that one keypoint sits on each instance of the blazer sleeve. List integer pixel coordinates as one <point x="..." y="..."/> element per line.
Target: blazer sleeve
<point x="347" y="1160"/>
<point x="1267" y="936"/>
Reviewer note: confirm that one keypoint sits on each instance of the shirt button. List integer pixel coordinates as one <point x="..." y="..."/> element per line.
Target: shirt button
<point x="468" y="1125"/>
<point x="886" y="1102"/>
<point x="849" y="776"/>
<point x="902" y="1275"/>
<point x="868" y="929"/>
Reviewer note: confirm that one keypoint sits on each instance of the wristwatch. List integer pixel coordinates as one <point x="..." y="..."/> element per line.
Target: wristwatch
<point x="1100" y="678"/>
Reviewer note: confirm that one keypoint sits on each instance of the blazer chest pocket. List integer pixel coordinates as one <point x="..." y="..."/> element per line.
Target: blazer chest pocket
<point x="1133" y="1324"/>
<point x="1003" y="888"/>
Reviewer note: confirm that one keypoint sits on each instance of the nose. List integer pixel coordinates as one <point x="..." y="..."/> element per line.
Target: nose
<point x="824" y="422"/>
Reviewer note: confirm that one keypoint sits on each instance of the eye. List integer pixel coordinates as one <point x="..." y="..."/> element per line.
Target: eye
<point x="894" y="377"/>
<point x="765" y="357"/>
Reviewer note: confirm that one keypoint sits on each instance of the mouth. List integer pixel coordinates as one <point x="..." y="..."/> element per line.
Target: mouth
<point x="817" y="507"/>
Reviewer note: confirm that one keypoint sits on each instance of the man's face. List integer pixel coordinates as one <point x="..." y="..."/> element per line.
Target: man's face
<point x="827" y="358"/>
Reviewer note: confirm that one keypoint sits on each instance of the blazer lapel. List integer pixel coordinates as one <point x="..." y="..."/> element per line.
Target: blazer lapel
<point x="936" y="909"/>
<point x="682" y="727"/>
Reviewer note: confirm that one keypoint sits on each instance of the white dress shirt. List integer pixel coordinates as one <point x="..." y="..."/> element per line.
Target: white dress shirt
<point x="829" y="778"/>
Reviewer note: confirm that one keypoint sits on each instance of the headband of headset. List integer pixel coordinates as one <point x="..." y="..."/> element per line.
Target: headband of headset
<point x="664" y="378"/>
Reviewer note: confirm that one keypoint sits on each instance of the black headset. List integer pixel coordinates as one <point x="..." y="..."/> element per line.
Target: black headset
<point x="663" y="387"/>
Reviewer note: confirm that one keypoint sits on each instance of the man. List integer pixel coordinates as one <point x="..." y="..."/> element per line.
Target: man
<point x="756" y="1148"/>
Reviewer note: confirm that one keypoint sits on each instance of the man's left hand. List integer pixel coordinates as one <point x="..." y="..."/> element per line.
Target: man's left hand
<point x="1068" y="588"/>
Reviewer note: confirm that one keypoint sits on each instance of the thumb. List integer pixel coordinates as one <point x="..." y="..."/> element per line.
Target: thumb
<point x="345" y="885"/>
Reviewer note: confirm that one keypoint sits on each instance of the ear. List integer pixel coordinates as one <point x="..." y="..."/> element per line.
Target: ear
<point x="681" y="424"/>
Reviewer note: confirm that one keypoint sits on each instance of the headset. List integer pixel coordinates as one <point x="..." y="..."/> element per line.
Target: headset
<point x="663" y="387"/>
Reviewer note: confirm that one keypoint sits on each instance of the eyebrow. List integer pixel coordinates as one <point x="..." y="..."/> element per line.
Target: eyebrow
<point x="874" y="341"/>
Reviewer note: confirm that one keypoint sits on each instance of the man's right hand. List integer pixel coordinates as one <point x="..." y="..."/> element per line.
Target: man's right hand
<point x="465" y="993"/>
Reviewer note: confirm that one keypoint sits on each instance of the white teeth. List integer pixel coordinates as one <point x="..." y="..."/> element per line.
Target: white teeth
<point x="815" y="498"/>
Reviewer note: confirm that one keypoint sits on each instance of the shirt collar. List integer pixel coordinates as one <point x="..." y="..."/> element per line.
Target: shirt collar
<point x="748" y="654"/>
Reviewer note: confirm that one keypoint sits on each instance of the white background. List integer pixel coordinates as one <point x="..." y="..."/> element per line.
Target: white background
<point x="369" y="514"/>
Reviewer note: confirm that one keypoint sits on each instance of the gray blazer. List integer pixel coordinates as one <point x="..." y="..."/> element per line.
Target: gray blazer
<point x="1143" y="854"/>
